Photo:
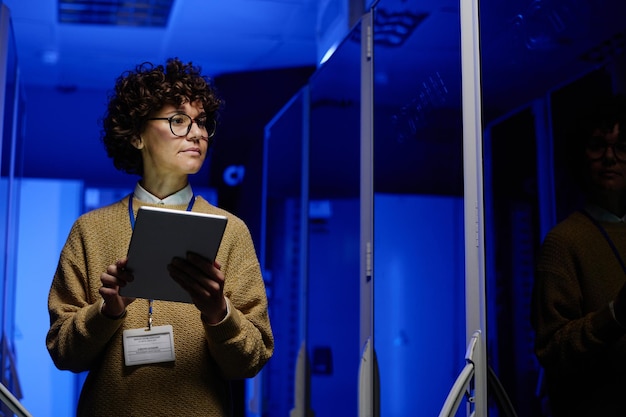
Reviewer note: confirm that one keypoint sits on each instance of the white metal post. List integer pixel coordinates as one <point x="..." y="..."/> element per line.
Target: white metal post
<point x="473" y="198"/>
<point x="368" y="375"/>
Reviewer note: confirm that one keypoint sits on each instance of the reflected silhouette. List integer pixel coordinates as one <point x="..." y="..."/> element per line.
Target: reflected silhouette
<point x="579" y="306"/>
<point x="534" y="76"/>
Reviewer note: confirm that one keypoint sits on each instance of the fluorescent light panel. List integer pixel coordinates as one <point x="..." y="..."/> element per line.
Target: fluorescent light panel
<point x="142" y="13"/>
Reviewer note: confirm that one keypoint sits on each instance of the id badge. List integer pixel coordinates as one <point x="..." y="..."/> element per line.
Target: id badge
<point x="145" y="346"/>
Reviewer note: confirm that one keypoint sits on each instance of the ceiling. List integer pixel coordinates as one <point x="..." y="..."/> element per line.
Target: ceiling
<point x="220" y="36"/>
<point x="528" y="47"/>
<point x="541" y="43"/>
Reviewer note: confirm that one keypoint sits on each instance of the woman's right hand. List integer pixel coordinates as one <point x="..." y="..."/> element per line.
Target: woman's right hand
<point x="115" y="277"/>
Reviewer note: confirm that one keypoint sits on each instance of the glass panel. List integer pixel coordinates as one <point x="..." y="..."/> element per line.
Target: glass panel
<point x="334" y="231"/>
<point x="10" y="173"/>
<point x="7" y="63"/>
<point x="419" y="305"/>
<point x="510" y="210"/>
<point x="282" y="257"/>
<point x="542" y="61"/>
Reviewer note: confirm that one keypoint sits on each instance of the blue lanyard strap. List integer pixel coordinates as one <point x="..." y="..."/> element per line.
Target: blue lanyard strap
<point x="131" y="213"/>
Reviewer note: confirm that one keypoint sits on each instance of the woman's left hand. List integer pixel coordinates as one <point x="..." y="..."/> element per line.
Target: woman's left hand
<point x="204" y="281"/>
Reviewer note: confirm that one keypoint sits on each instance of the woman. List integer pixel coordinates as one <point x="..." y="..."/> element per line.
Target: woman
<point x="579" y="299"/>
<point x="159" y="125"/>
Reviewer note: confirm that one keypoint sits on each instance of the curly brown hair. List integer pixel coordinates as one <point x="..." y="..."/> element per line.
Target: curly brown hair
<point x="601" y="112"/>
<point x="140" y="93"/>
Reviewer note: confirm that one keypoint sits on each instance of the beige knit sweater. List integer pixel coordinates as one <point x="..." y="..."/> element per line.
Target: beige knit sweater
<point x="580" y="345"/>
<point x="207" y="357"/>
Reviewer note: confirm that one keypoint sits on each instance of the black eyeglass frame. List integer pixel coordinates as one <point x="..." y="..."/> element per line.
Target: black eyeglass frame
<point x="204" y="126"/>
<point x="602" y="147"/>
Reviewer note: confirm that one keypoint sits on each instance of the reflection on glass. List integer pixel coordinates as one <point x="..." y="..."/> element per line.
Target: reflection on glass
<point x="419" y="307"/>
<point x="541" y="61"/>
<point x="334" y="231"/>
<point x="511" y="210"/>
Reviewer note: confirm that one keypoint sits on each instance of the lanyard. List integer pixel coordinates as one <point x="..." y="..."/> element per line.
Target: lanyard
<point x="131" y="216"/>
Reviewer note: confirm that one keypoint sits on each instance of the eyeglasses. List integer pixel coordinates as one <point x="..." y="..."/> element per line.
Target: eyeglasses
<point x="596" y="149"/>
<point x="180" y="124"/>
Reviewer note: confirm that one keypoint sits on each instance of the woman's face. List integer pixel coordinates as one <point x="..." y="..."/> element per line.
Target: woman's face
<point x="606" y="156"/>
<point x="168" y="155"/>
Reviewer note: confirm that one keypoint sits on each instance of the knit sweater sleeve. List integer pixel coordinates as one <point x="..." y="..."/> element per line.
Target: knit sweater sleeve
<point x="243" y="343"/>
<point x="78" y="331"/>
<point x="570" y="312"/>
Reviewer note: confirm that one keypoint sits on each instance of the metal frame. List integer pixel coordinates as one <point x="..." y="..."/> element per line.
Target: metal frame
<point x="473" y="198"/>
<point x="369" y="391"/>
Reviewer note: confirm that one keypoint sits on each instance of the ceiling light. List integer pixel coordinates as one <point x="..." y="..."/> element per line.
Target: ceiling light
<point x="145" y="13"/>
